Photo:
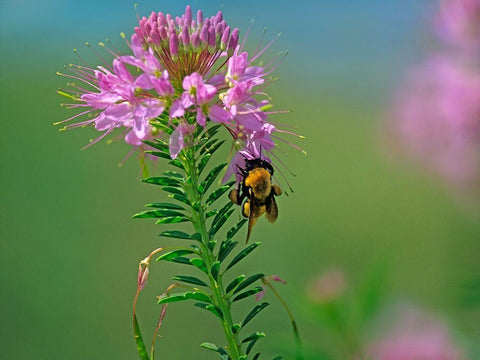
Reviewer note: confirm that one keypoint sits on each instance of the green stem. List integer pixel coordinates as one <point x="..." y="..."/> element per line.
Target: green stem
<point x="199" y="222"/>
<point x="298" y="340"/>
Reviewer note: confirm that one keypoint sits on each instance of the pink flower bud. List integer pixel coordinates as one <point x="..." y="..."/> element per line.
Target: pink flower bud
<point x="188" y="16"/>
<point x="199" y="17"/>
<point x="185" y="36"/>
<point x="212" y="38"/>
<point x="173" y="43"/>
<point x="161" y="19"/>
<point x="143" y="271"/>
<point x="153" y="16"/>
<point x="233" y="40"/>
<point x="225" y="36"/>
<point x="259" y="296"/>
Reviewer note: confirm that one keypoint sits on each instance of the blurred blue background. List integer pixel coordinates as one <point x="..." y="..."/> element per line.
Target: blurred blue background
<point x="70" y="249"/>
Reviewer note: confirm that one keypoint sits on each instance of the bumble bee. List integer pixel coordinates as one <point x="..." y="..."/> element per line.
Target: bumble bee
<point x="258" y="189"/>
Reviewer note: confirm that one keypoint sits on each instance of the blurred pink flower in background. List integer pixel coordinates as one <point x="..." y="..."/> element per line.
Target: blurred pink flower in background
<point x="438" y="118"/>
<point x="436" y="114"/>
<point x="414" y="335"/>
<point x="458" y="23"/>
<point x="327" y="287"/>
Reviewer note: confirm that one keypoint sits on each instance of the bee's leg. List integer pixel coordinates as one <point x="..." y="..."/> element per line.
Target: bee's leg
<point x="246" y="209"/>
<point x="233" y="196"/>
<point x="276" y="190"/>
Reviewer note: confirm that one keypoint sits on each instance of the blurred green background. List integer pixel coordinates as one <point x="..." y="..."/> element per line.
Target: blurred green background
<point x="70" y="249"/>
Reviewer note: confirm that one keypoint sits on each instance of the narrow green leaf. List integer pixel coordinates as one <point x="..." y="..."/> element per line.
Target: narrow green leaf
<point x="182" y="260"/>
<point x="257" y="335"/>
<point x="175" y="234"/>
<point x="212" y="175"/>
<point x="212" y="308"/>
<point x="159" y="154"/>
<point x="249" y="281"/>
<point x="250" y="346"/>
<point x="173" y="190"/>
<point x="226" y="248"/>
<point x="173" y="174"/>
<point x="222" y="212"/>
<point x="243" y="254"/>
<point x="196" y="247"/>
<point x="211" y="244"/>
<point x="211" y="213"/>
<point x="236" y="328"/>
<point x="217" y="226"/>
<point x="212" y="130"/>
<point x="248" y="293"/>
<point x="162" y="127"/>
<point x="177" y="163"/>
<point x="231" y="233"/>
<point x="189" y="280"/>
<point x="200" y="144"/>
<point x="234" y="283"/>
<point x="255" y="311"/>
<point x="141" y="348"/>
<point x="169" y="256"/>
<point x="206" y="144"/>
<point x="157" y="145"/>
<point x="213" y="347"/>
<point x="257" y="355"/>
<point x="199" y="263"/>
<point x="203" y="162"/>
<point x="179" y="197"/>
<point x="197" y="236"/>
<point x="213" y="148"/>
<point x="172" y="220"/>
<point x="184" y="296"/>
<point x="164" y="205"/>
<point x="163" y="181"/>
<point x="149" y="214"/>
<point x="221" y="218"/>
<point x="218" y="193"/>
<point x="215" y="270"/>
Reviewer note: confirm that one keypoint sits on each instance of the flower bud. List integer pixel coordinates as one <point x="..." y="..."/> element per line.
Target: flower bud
<point x="173" y="43"/>
<point x="233" y="40"/>
<point x="224" y="39"/>
<point x="188" y="16"/>
<point x="185" y="36"/>
<point x="199" y="17"/>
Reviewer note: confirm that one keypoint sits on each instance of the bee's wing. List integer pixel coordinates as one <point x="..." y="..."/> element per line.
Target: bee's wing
<point x="271" y="209"/>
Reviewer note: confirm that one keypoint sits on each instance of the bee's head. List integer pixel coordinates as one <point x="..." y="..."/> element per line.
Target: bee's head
<point x="258" y="163"/>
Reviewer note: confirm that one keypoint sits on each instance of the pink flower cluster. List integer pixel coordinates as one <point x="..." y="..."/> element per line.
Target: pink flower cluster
<point x="184" y="69"/>
<point x="437" y="110"/>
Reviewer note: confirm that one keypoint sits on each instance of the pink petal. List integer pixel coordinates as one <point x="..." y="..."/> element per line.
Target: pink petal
<point x="218" y="114"/>
<point x="136" y="46"/>
<point x="259" y="296"/>
<point x="201" y="118"/>
<point x="177" y="110"/>
<point x="119" y="112"/>
<point x="176" y="142"/>
<point x="144" y="82"/>
<point x="187" y="100"/>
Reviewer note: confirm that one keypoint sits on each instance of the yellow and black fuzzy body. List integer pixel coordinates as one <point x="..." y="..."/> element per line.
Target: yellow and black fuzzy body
<point x="258" y="191"/>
